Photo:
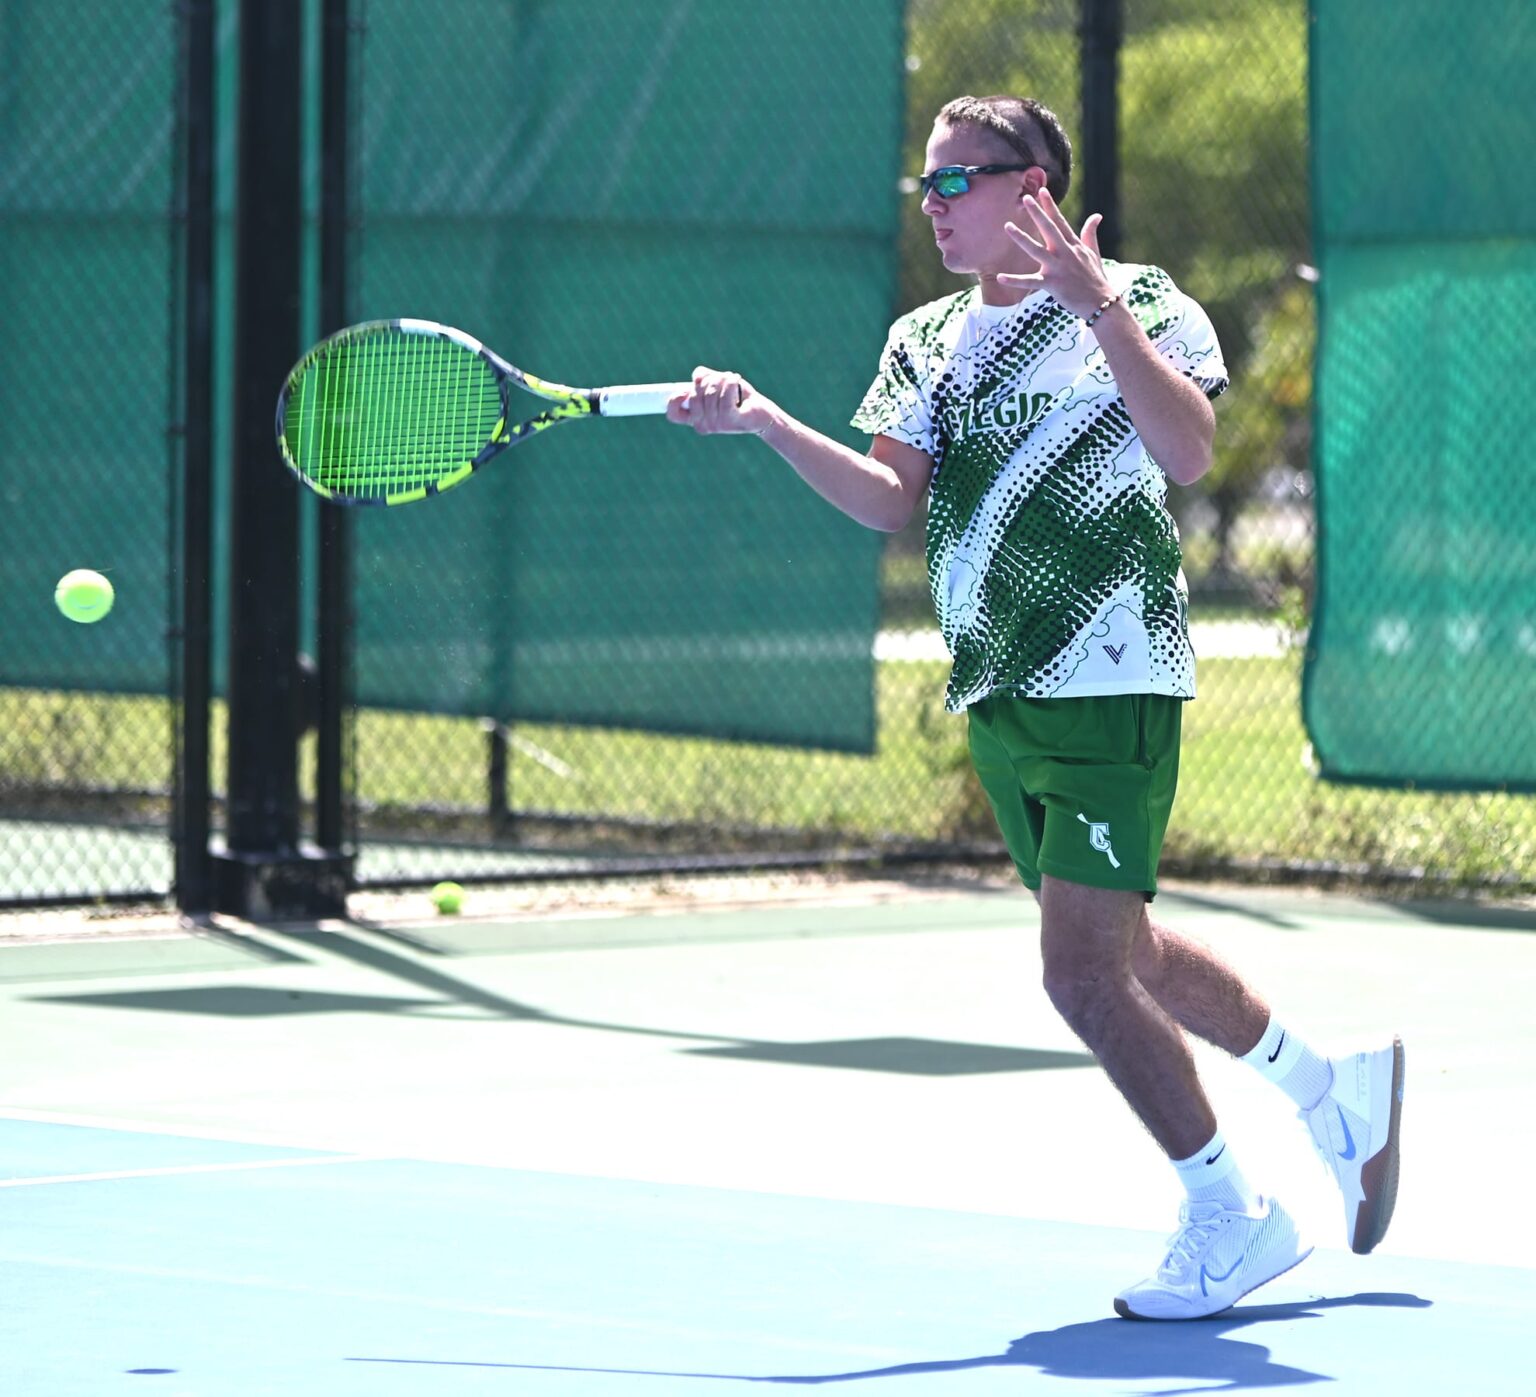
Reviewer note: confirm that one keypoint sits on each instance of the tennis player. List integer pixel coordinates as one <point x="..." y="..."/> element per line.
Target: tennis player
<point x="1041" y="413"/>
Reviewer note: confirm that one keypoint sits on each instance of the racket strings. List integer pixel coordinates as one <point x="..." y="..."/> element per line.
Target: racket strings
<point x="381" y="414"/>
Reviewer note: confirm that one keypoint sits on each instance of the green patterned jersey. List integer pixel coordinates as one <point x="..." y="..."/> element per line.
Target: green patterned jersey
<point x="1053" y="561"/>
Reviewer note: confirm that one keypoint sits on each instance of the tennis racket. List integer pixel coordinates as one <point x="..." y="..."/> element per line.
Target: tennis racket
<point x="393" y="411"/>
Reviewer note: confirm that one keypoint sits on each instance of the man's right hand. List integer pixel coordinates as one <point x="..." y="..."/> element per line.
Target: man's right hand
<point x="721" y="403"/>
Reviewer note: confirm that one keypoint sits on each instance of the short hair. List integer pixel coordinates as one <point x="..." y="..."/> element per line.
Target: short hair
<point x="1025" y="126"/>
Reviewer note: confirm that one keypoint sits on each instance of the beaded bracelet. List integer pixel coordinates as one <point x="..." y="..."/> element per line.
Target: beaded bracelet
<point x="1104" y="307"/>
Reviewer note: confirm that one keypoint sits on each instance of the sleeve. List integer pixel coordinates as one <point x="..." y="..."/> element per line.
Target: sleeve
<point x="897" y="403"/>
<point x="1182" y="331"/>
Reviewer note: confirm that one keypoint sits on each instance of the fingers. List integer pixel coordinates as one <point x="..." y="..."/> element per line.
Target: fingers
<point x="1053" y="214"/>
<point x="1067" y="265"/>
<point x="1029" y="244"/>
<point x="1047" y="236"/>
<point x="715" y="405"/>
<point x="1090" y="233"/>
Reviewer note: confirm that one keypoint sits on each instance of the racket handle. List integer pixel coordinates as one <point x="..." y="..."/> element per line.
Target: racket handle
<point x="638" y="399"/>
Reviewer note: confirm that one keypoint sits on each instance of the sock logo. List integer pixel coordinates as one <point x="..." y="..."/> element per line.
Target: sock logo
<point x="1213" y="1158"/>
<point x="1098" y="838"/>
<point x="1278" y="1046"/>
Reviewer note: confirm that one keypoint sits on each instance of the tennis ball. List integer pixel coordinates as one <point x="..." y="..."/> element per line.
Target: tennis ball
<point x="83" y="595"/>
<point x="448" y="898"/>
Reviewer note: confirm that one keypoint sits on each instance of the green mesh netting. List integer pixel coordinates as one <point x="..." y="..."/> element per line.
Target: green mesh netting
<point x="86" y="378"/>
<point x="1422" y="663"/>
<point x="617" y="203"/>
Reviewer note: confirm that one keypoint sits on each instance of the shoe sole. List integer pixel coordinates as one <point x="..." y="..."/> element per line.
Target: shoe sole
<point x="1378" y="1179"/>
<point x="1126" y="1312"/>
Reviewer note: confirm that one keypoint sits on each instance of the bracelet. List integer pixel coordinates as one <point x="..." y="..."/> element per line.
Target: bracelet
<point x="1104" y="306"/>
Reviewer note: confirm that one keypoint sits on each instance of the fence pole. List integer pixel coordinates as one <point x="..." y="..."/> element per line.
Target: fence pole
<point x="262" y="870"/>
<point x="333" y="628"/>
<point x="192" y="638"/>
<point x="1101" y="26"/>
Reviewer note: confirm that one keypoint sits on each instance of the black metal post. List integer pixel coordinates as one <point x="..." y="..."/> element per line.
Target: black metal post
<point x="1101" y="27"/>
<point x="192" y="644"/>
<point x="263" y="871"/>
<point x="497" y="809"/>
<point x="334" y="622"/>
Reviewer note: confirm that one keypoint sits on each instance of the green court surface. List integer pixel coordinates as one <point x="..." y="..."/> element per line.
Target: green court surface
<point x="818" y="1141"/>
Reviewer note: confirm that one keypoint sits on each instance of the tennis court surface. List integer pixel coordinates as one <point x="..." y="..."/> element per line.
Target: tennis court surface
<point x="835" y="1137"/>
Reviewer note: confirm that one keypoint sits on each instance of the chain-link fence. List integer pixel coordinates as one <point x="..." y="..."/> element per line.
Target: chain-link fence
<point x="564" y="722"/>
<point x="88" y="105"/>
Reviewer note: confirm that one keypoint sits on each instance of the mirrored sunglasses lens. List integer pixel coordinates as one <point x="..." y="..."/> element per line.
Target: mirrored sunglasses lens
<point x="950" y="183"/>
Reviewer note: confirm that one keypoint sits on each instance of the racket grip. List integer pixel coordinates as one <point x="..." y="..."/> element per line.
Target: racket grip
<point x="638" y="399"/>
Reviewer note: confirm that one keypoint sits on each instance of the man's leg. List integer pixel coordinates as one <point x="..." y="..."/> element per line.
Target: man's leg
<point x="1087" y="938"/>
<point x="1229" y="1241"/>
<point x="1196" y="988"/>
<point x="1351" y="1106"/>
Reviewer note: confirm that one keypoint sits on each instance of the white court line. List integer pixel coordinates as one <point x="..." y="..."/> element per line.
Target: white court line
<point x="136" y="1125"/>
<point x="586" y="1319"/>
<point x="225" y="1168"/>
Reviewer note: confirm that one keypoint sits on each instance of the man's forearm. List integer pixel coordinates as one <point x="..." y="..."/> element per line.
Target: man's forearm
<point x="1172" y="416"/>
<point x="860" y="486"/>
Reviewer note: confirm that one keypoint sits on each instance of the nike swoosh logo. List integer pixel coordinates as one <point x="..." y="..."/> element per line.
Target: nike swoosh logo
<point x="1217" y="1155"/>
<point x="1278" y="1046"/>
<point x="1348" y="1152"/>
<point x="1207" y="1274"/>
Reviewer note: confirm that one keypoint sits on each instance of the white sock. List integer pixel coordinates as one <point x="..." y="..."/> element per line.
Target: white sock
<point x="1211" y="1176"/>
<point x="1291" y="1065"/>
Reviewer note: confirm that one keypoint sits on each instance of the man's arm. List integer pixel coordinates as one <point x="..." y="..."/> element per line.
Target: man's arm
<point x="1171" y="414"/>
<point x="880" y="490"/>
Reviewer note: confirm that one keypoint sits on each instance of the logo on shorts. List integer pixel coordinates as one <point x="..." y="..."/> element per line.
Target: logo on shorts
<point x="1098" y="837"/>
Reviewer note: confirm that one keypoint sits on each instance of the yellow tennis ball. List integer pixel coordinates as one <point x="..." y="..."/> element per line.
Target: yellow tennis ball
<point x="83" y="595"/>
<point x="448" y="898"/>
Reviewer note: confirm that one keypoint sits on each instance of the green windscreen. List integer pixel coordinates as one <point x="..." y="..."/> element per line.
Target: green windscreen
<point x="618" y="200"/>
<point x="87" y="385"/>
<point x="1422" y="660"/>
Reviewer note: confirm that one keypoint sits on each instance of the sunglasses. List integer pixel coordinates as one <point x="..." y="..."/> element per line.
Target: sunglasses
<point x="951" y="181"/>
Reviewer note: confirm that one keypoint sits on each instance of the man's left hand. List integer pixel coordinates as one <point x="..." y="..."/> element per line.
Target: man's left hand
<point x="1071" y="268"/>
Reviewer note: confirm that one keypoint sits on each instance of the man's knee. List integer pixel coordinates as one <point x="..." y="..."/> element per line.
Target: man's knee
<point x="1085" y="987"/>
<point x="1086" y="941"/>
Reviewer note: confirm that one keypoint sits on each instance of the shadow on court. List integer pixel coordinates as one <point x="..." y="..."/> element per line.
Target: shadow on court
<point x="1098" y="1350"/>
<point x="925" y="1057"/>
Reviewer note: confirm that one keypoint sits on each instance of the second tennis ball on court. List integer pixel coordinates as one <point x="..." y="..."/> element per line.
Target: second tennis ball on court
<point x="448" y="898"/>
<point x="83" y="595"/>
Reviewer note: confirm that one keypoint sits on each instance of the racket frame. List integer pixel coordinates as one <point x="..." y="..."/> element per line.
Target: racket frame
<point x="620" y="400"/>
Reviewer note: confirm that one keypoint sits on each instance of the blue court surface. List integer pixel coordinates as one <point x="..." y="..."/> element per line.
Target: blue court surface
<point x="667" y="1153"/>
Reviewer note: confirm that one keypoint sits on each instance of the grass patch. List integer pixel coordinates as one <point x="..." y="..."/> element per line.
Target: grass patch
<point x="1246" y="792"/>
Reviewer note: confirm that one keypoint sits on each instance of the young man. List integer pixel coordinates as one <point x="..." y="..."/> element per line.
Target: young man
<point x="1041" y="413"/>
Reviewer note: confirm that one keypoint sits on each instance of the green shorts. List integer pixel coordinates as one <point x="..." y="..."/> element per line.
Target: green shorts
<point x="1082" y="787"/>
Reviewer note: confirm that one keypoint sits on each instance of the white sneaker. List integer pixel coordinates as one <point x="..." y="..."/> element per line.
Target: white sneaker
<point x="1215" y="1258"/>
<point x="1355" y="1130"/>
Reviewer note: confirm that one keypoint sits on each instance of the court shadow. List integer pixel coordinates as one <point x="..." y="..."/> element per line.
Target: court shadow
<point x="920" y="1057"/>
<point x="1484" y="917"/>
<point x="1208" y="903"/>
<point x="1199" y="1353"/>
<point x="452" y="995"/>
<point x="246" y="1002"/>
